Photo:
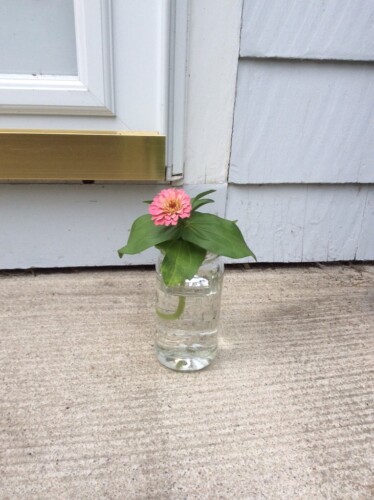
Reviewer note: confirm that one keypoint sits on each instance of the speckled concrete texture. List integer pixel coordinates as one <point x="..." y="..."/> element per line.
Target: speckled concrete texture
<point x="285" y="412"/>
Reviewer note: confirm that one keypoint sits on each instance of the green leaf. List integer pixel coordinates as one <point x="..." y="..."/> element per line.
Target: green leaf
<point x="148" y="202"/>
<point x="201" y="195"/>
<point x="182" y="260"/>
<point x="194" y="201"/>
<point x="217" y="235"/>
<point x="163" y="246"/>
<point x="144" y="234"/>
<point x="199" y="203"/>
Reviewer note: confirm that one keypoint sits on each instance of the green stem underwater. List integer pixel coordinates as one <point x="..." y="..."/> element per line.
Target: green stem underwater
<point x="177" y="314"/>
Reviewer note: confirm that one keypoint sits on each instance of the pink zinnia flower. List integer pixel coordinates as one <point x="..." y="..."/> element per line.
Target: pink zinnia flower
<point x="170" y="205"/>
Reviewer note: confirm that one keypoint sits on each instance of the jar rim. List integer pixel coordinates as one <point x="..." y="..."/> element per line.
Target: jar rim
<point x="211" y="256"/>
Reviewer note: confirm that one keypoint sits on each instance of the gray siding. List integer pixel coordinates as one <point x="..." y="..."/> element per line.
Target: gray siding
<point x="305" y="223"/>
<point x="302" y="163"/>
<point x="308" y="29"/>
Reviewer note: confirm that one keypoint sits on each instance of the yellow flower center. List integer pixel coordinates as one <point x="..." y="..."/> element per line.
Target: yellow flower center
<point x="172" y="206"/>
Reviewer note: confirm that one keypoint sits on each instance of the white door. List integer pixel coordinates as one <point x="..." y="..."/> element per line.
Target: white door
<point x="84" y="65"/>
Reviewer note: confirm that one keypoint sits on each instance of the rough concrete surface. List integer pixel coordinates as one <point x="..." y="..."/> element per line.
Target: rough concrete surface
<point x="285" y="412"/>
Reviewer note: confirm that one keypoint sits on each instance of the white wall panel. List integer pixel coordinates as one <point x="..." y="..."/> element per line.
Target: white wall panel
<point x="298" y="223"/>
<point x="303" y="122"/>
<point x="309" y="29"/>
<point x="76" y="225"/>
<point x="211" y="80"/>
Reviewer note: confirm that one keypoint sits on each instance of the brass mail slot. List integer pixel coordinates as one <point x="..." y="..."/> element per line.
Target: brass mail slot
<point x="54" y="155"/>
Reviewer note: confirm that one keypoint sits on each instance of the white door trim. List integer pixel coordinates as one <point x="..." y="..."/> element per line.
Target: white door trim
<point x="88" y="93"/>
<point x="177" y="68"/>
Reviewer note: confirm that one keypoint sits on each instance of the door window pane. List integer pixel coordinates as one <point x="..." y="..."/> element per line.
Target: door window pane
<point x="37" y="37"/>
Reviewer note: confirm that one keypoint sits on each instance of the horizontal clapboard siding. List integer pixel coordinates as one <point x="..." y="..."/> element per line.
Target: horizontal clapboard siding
<point x="308" y="29"/>
<point x="301" y="177"/>
<point x="303" y="122"/>
<point x="299" y="223"/>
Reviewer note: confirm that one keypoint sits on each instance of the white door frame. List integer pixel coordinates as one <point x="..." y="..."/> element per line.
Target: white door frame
<point x="88" y="93"/>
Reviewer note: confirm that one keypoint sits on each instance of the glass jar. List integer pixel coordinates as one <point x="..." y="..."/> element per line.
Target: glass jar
<point x="187" y="317"/>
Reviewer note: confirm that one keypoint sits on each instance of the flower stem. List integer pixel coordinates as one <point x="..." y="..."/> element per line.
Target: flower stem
<point x="178" y="312"/>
